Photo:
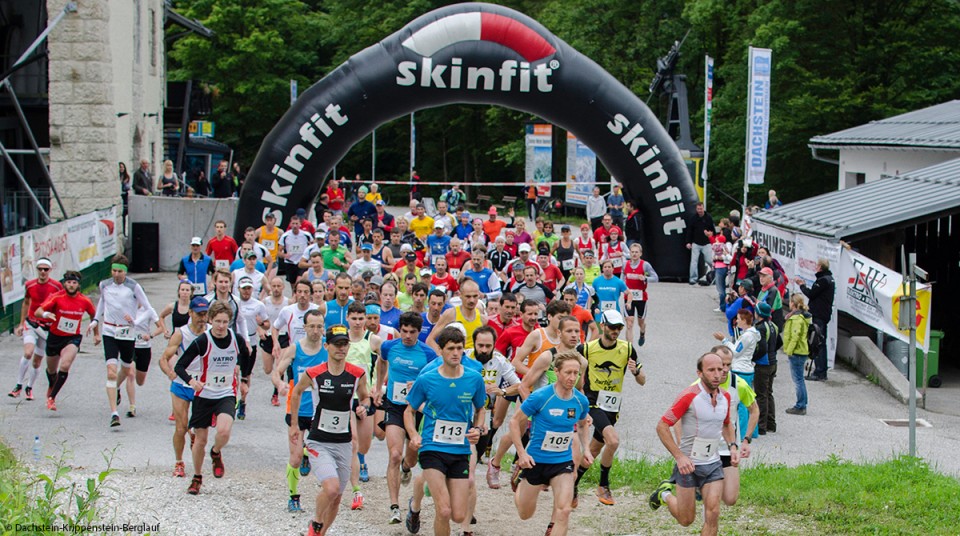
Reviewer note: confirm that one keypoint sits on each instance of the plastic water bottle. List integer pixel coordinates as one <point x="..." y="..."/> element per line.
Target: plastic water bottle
<point x="36" y="449"/>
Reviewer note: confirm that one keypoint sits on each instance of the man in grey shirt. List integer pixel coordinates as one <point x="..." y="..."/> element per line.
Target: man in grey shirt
<point x="596" y="208"/>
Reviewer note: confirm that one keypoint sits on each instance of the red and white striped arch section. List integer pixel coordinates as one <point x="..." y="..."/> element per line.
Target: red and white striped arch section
<point x="491" y="27"/>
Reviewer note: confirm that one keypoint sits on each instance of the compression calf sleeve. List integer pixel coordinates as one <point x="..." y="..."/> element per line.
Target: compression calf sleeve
<point x="22" y="371"/>
<point x="61" y="379"/>
<point x="293" y="479"/>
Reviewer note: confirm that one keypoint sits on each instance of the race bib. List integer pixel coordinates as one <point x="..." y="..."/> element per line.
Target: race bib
<point x="704" y="449"/>
<point x="399" y="393"/>
<point x="617" y="262"/>
<point x="67" y="325"/>
<point x="608" y="305"/>
<point x="556" y="441"/>
<point x="124" y="333"/>
<point x="269" y="245"/>
<point x="199" y="289"/>
<point x="636" y="295"/>
<point x="217" y="380"/>
<point x="449" y="432"/>
<point x="609" y="401"/>
<point x="295" y="249"/>
<point x="567" y="264"/>
<point x="334" y="422"/>
<point x="222" y="264"/>
<point x="455" y="272"/>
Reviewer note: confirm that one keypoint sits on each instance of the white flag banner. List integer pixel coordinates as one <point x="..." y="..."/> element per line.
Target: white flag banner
<point x="871" y="293"/>
<point x="758" y="113"/>
<point x="707" y="116"/>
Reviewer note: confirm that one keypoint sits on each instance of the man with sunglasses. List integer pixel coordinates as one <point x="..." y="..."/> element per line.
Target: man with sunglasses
<point x="34" y="330"/>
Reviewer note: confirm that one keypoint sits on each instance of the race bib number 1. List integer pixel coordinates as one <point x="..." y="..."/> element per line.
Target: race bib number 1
<point x="399" y="393"/>
<point x="449" y="432"/>
<point x="703" y="449"/>
<point x="556" y="441"/>
<point x="609" y="401"/>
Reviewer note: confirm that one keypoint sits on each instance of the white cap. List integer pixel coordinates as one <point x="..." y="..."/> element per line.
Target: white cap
<point x="245" y="282"/>
<point x="196" y="241"/>
<point x="438" y="224"/>
<point x="524" y="247"/>
<point x="611" y="317"/>
<point x="406" y="247"/>
<point x="459" y="326"/>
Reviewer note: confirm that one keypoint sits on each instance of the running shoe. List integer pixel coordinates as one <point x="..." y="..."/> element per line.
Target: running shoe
<point x="132" y="411"/>
<point x="603" y="493"/>
<point x="195" y="483"/>
<point x="114" y="420"/>
<point x="357" y="503"/>
<point x="642" y="339"/>
<point x="655" y="498"/>
<point x="172" y="417"/>
<point x="364" y="473"/>
<point x="515" y="477"/>
<point x="179" y="470"/>
<point x="315" y="529"/>
<point x="16" y="391"/>
<point x="274" y="400"/>
<point x="395" y="516"/>
<point x="217" y="459"/>
<point x="241" y="410"/>
<point x="549" y="529"/>
<point x="51" y="404"/>
<point x="405" y="475"/>
<point x="29" y="393"/>
<point x="293" y="505"/>
<point x="304" y="465"/>
<point x="493" y="476"/>
<point x="413" y="518"/>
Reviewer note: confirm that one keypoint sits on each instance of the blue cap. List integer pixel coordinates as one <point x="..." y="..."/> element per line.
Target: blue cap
<point x="373" y="309"/>
<point x="366" y="246"/>
<point x="764" y="309"/>
<point x="199" y="305"/>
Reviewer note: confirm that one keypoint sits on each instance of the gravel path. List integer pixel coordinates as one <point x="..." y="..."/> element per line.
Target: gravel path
<point x="843" y="419"/>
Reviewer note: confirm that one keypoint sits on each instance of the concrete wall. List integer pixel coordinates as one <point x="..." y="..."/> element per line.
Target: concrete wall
<point x="874" y="163"/>
<point x="869" y="360"/>
<point x="181" y="219"/>
<point x="106" y="96"/>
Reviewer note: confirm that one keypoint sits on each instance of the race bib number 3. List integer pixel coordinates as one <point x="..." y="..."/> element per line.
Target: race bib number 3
<point x="704" y="449"/>
<point x="609" y="401"/>
<point x="67" y="325"/>
<point x="399" y="393"/>
<point x="334" y="422"/>
<point x="124" y="333"/>
<point x="449" y="432"/>
<point x="556" y="441"/>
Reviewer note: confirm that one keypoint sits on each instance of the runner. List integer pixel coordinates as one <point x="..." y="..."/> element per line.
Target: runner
<point x="33" y="330"/>
<point x="273" y="305"/>
<point x="609" y="291"/>
<point x="181" y="395"/>
<point x="507" y="316"/>
<point x="532" y="289"/>
<point x="297" y="358"/>
<point x="704" y="413"/>
<point x="612" y="250"/>
<point x="268" y="236"/>
<point x="401" y="360"/>
<point x="541" y="339"/>
<point x="120" y="299"/>
<point x="142" y="353"/>
<point x="222" y="248"/>
<point x="178" y="311"/>
<point x="337" y="308"/>
<point x="501" y="381"/>
<point x="588" y="328"/>
<point x="436" y="304"/>
<point x="257" y="320"/>
<point x="222" y="356"/>
<point x="584" y="290"/>
<point x="328" y="442"/>
<point x="248" y="270"/>
<point x="292" y="245"/>
<point x="363" y="353"/>
<point x="288" y="328"/>
<point x="451" y="399"/>
<point x="467" y="314"/>
<point x="64" y="310"/>
<point x="195" y="267"/>
<point x="553" y="411"/>
<point x="608" y="361"/>
<point x="223" y="293"/>
<point x="637" y="274"/>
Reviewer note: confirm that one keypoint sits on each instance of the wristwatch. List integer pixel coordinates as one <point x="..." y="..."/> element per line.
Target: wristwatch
<point x="747" y="439"/>
<point x="732" y="445"/>
<point x="503" y="392"/>
<point x="639" y="366"/>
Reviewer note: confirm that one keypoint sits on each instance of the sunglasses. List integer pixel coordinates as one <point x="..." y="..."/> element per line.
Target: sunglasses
<point x="614" y="327"/>
<point x="41" y="269"/>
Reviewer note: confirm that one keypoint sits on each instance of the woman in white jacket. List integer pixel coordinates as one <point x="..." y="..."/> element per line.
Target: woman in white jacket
<point x="742" y="349"/>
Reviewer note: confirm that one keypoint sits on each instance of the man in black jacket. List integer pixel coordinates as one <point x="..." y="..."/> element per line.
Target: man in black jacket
<point x="821" y="309"/>
<point x="698" y="242"/>
<point x="222" y="181"/>
<point x="633" y="225"/>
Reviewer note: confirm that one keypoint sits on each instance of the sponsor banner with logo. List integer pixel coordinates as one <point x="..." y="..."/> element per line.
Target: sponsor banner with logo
<point x="581" y="171"/>
<point x="707" y="116"/>
<point x="82" y="238"/>
<point x="539" y="157"/>
<point x="871" y="293"/>
<point x="107" y="231"/>
<point x="758" y="113"/>
<point x="11" y="269"/>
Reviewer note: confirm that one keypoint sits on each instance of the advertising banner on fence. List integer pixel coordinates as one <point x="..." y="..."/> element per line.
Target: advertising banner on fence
<point x="82" y="238"/>
<point x="758" y="113"/>
<point x="539" y="157"/>
<point x="11" y="265"/>
<point x="581" y="171"/>
<point x="871" y="292"/>
<point x="107" y="231"/>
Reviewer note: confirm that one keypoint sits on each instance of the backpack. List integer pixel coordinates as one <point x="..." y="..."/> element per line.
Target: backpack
<point x="815" y="338"/>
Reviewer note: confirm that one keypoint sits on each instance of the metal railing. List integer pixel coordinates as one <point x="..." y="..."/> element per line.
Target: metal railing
<point x="20" y="213"/>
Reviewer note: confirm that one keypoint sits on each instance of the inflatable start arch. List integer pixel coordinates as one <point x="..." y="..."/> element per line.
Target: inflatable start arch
<point x="483" y="54"/>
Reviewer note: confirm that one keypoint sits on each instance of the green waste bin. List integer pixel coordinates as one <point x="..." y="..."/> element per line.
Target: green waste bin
<point x="933" y="361"/>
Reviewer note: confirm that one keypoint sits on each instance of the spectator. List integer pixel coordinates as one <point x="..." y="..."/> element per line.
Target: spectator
<point x="238" y="178"/>
<point x="335" y="197"/>
<point x="415" y="194"/>
<point x="795" y="346"/>
<point x="384" y="220"/>
<point x="741" y="299"/>
<point x="321" y="206"/>
<point x="722" y="255"/>
<point x="142" y="180"/>
<point x="772" y="200"/>
<point x="222" y="182"/>
<point x="596" y="208"/>
<point x="698" y="242"/>
<point x="765" y="369"/>
<point x="493" y="226"/>
<point x="125" y="187"/>
<point x="633" y="225"/>
<point x="615" y="205"/>
<point x="454" y="197"/>
<point x="201" y="186"/>
<point x="374" y="194"/>
<point x="743" y="263"/>
<point x="168" y="185"/>
<point x="821" y="309"/>
<point x="531" y="197"/>
<point x="361" y="210"/>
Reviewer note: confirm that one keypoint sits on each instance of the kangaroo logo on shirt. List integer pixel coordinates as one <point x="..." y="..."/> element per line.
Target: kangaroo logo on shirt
<point x="608" y="367"/>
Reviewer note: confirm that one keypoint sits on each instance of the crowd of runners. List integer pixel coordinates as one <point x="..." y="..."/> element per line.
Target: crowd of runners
<point x="420" y="331"/>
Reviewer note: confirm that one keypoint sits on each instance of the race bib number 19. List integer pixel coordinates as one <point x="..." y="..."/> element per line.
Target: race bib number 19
<point x="67" y="325"/>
